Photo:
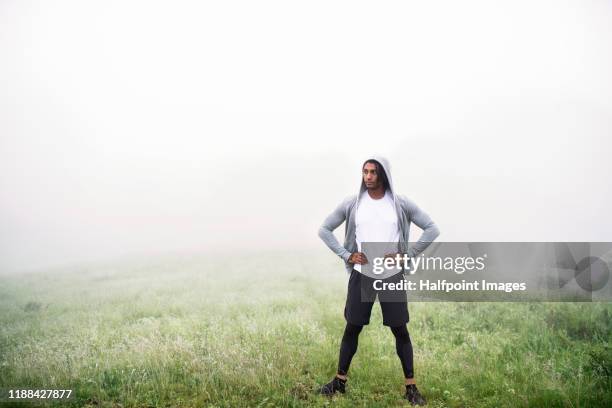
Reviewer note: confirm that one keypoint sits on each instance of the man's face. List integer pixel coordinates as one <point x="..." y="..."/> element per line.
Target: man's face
<point x="370" y="176"/>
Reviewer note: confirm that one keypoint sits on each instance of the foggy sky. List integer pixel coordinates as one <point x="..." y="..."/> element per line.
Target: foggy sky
<point x="147" y="127"/>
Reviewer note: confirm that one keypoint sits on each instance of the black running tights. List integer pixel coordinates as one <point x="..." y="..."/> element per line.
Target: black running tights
<point x="348" y="347"/>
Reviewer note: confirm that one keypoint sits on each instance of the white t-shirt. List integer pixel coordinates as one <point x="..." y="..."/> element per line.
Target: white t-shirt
<point x="375" y="221"/>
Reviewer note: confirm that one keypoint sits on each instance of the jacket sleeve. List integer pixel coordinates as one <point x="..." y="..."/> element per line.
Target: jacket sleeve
<point x="330" y="223"/>
<point x="423" y="221"/>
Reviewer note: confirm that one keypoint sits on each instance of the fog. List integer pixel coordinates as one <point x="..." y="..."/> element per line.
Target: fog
<point x="145" y="128"/>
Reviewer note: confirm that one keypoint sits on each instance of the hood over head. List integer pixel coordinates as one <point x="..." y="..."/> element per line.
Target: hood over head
<point x="384" y="162"/>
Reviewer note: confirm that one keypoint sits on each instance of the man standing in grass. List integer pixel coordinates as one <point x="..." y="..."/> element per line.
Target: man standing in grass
<point x="376" y="214"/>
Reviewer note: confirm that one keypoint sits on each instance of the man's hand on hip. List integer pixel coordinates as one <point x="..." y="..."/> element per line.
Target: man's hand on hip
<point x="358" y="258"/>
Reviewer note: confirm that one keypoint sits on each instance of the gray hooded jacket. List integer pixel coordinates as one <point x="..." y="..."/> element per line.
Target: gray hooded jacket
<point x="407" y="212"/>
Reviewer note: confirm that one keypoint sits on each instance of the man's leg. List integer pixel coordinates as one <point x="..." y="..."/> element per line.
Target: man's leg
<point x="403" y="347"/>
<point x="394" y="307"/>
<point x="357" y="312"/>
<point x="348" y="347"/>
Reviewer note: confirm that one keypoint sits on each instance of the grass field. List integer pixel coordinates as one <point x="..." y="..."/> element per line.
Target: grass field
<point x="264" y="330"/>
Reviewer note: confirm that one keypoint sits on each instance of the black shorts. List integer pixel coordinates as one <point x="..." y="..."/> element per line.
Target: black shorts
<point x="361" y="295"/>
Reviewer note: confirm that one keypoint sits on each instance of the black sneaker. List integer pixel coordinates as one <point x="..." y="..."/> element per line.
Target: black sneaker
<point x="335" y="385"/>
<point x="414" y="396"/>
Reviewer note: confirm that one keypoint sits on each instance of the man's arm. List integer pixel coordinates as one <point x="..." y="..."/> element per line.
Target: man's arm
<point x="423" y="221"/>
<point x="332" y="222"/>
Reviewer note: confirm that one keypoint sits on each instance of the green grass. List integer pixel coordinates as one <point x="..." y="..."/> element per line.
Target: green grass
<point x="264" y="330"/>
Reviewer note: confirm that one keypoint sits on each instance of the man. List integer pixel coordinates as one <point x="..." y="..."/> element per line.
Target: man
<point x="376" y="214"/>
